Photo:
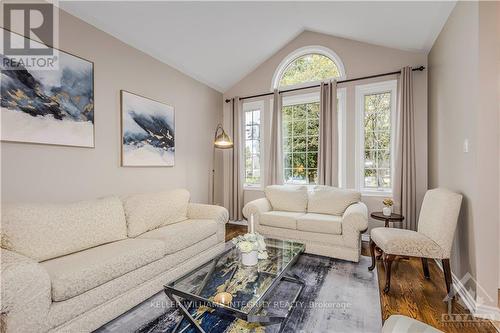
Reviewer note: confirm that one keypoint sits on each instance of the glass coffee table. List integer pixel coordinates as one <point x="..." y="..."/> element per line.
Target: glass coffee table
<point x="225" y="287"/>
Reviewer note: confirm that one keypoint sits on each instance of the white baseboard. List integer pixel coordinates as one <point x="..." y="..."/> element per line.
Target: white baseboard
<point x="239" y="222"/>
<point x="365" y="237"/>
<point x="476" y="309"/>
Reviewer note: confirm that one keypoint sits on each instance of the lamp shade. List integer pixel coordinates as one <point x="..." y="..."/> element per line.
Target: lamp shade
<point x="222" y="140"/>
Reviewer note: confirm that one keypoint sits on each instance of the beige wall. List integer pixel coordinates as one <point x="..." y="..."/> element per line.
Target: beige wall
<point x="498" y="106"/>
<point x="42" y="173"/>
<point x="360" y="59"/>
<point x="463" y="105"/>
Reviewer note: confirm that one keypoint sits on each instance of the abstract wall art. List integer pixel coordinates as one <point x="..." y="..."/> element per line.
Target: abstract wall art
<point x="148" y="131"/>
<point x="47" y="106"/>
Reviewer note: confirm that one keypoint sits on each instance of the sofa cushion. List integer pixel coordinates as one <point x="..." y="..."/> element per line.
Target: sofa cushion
<point x="279" y="219"/>
<point x="119" y="295"/>
<point x="320" y="223"/>
<point x="79" y="272"/>
<point x="290" y="198"/>
<point x="145" y="212"/>
<point x="178" y="236"/>
<point x="331" y="200"/>
<point x="46" y="231"/>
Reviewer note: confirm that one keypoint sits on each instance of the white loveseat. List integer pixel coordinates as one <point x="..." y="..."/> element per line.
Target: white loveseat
<point x="328" y="220"/>
<point x="74" y="267"/>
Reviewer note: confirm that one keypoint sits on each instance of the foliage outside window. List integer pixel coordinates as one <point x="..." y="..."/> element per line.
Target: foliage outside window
<point x="377" y="143"/>
<point x="252" y="148"/>
<point x="309" y="68"/>
<point x="300" y="143"/>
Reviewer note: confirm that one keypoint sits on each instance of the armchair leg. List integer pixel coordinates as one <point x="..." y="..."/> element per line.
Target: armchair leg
<point x="447" y="274"/>
<point x="425" y="267"/>
<point x="372" y="253"/>
<point x="388" y="259"/>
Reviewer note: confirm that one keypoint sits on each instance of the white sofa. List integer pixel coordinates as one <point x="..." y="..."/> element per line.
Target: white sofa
<point x="328" y="220"/>
<point x="74" y="267"/>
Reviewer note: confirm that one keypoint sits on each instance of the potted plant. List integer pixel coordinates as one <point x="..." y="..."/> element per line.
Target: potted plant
<point x="252" y="247"/>
<point x="388" y="203"/>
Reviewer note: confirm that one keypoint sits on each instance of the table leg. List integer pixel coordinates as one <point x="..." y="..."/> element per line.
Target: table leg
<point x="185" y="312"/>
<point x="294" y="279"/>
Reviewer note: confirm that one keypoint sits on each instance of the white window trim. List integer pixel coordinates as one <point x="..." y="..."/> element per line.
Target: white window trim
<point x="250" y="106"/>
<point x="361" y="91"/>
<point x="316" y="49"/>
<point x="301" y="99"/>
<point x="312" y="97"/>
<point x="342" y="121"/>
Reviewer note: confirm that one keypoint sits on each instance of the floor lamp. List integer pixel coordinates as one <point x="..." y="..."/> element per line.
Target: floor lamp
<point x="221" y="141"/>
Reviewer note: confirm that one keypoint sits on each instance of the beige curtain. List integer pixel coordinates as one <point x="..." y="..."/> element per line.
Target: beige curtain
<point x="275" y="168"/>
<point x="236" y="181"/>
<point x="404" y="185"/>
<point x="328" y="166"/>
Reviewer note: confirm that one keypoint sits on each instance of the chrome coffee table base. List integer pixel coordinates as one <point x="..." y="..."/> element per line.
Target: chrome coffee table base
<point x="183" y="301"/>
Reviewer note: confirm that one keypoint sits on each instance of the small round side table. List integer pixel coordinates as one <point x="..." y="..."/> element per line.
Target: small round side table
<point x="391" y="218"/>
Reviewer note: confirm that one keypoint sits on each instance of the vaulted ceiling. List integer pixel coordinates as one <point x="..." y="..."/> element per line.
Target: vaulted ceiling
<point x="219" y="43"/>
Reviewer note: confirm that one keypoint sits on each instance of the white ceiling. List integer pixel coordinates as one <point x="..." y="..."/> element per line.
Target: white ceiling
<point x="218" y="43"/>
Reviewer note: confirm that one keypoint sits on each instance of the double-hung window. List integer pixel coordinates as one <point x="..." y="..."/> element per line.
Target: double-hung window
<point x="252" y="144"/>
<point x="376" y="108"/>
<point x="300" y="125"/>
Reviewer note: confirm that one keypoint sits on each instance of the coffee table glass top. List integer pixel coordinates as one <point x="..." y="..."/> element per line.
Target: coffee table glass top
<point x="247" y="285"/>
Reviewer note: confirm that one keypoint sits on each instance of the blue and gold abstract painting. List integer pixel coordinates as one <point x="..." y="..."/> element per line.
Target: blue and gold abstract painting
<point x="47" y="105"/>
<point x="148" y="131"/>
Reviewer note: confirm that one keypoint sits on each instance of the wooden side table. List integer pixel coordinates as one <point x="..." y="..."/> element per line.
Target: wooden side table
<point x="391" y="218"/>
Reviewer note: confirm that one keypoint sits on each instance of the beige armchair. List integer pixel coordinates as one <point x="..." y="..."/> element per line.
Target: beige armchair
<point x="436" y="228"/>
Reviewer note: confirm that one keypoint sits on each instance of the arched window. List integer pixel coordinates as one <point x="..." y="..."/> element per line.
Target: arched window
<point x="300" y="112"/>
<point x="308" y="65"/>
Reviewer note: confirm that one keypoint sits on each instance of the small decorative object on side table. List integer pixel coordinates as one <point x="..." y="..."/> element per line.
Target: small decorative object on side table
<point x="387" y="210"/>
<point x="391" y="218"/>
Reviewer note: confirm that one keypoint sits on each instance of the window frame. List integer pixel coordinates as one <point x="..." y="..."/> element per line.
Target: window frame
<point x="360" y="92"/>
<point x="247" y="107"/>
<point x="312" y="97"/>
<point x="311" y="49"/>
<point x="342" y="128"/>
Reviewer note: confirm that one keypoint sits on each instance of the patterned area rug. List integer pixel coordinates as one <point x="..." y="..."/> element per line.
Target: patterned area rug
<point x="339" y="296"/>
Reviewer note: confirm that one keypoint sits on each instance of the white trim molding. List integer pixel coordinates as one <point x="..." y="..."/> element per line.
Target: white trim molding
<point x="314" y="97"/>
<point x="476" y="309"/>
<point x="315" y="49"/>
<point x="362" y="90"/>
<point x="238" y="222"/>
<point x="253" y="106"/>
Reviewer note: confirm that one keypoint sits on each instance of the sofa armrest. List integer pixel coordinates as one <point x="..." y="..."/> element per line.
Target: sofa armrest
<point x="257" y="207"/>
<point x="356" y="217"/>
<point x="212" y="212"/>
<point x="25" y="293"/>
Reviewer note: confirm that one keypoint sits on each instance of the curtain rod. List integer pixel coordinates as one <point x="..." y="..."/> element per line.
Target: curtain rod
<point x="420" y="68"/>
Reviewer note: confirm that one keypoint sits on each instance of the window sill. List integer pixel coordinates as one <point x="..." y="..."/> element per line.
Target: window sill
<point x="252" y="188"/>
<point x="367" y="193"/>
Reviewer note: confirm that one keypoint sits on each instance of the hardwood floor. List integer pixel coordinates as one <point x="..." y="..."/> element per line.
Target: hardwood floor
<point x="233" y="230"/>
<point x="411" y="294"/>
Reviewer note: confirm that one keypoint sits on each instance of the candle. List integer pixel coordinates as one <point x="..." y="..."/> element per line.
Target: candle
<point x="251" y="225"/>
<point x="223" y="298"/>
